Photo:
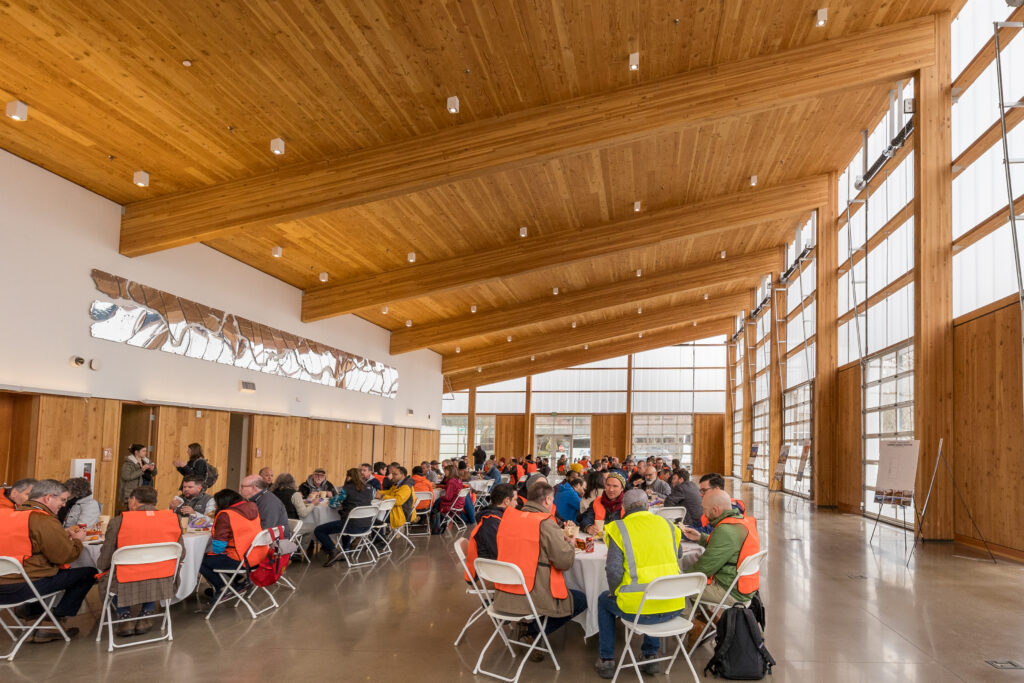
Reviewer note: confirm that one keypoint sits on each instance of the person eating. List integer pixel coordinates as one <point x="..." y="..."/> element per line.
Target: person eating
<point x="607" y="508"/>
<point x="317" y="483"/>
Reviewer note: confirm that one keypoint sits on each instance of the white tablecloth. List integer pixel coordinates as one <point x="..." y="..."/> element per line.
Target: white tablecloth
<point x="587" y="575"/>
<point x="321" y="514"/>
<point x="195" y="547"/>
<point x="481" y="485"/>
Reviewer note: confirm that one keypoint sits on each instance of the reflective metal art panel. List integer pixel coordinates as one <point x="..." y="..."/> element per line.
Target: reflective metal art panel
<point x="148" y="318"/>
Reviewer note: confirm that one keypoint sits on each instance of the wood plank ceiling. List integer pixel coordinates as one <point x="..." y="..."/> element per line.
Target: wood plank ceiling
<point x="109" y="94"/>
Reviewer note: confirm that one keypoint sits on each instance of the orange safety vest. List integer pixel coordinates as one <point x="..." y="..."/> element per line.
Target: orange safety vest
<point x="519" y="543"/>
<point x="140" y="527"/>
<point x="243" y="531"/>
<point x="5" y="502"/>
<point x="523" y="501"/>
<point x="751" y="545"/>
<point x="561" y="469"/>
<point x="531" y="467"/>
<point x="598" y="510"/>
<point x="471" y="550"/>
<point x="14" y="538"/>
<point x="379" y="478"/>
<point x="735" y="501"/>
<point x="519" y="472"/>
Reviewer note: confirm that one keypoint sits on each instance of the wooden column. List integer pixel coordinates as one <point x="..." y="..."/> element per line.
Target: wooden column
<point x="471" y="423"/>
<point x="730" y="361"/>
<point x="747" y="338"/>
<point x="824" y="447"/>
<point x="527" y="417"/>
<point x="776" y="373"/>
<point x="628" y="446"/>
<point x="933" y="281"/>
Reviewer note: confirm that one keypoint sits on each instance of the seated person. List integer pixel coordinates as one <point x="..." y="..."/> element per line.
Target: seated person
<point x="654" y="484"/>
<point x="449" y="499"/>
<point x="641" y="547"/>
<point x="16" y="494"/>
<point x="355" y="493"/>
<point x="141" y="584"/>
<point x="81" y="507"/>
<point x="380" y="473"/>
<point x="317" y="483"/>
<point x="608" y="507"/>
<point x="35" y="536"/>
<point x="733" y="538"/>
<point x="421" y="483"/>
<point x="235" y="524"/>
<point x="483" y="540"/>
<point x="401" y="491"/>
<point x="567" y="499"/>
<point x="267" y="475"/>
<point x="710" y="482"/>
<point x="531" y="540"/>
<point x="366" y="472"/>
<point x="272" y="512"/>
<point x="685" y="494"/>
<point x="292" y="499"/>
<point x="193" y="499"/>
<point x="491" y="472"/>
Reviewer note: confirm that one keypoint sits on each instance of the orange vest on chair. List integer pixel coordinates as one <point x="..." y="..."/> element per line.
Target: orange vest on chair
<point x="140" y="527"/>
<point x="14" y="538"/>
<point x="519" y="544"/>
<point x="243" y="532"/>
<point x="751" y="545"/>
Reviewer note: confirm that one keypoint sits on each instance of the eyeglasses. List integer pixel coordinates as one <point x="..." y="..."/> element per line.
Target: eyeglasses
<point x="704" y="490"/>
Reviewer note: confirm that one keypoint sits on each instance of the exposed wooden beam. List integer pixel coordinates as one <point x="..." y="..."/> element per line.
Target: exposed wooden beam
<point x="700" y="276"/>
<point x="594" y="332"/>
<point x="654" y="339"/>
<point x="694" y="98"/>
<point x="700" y="219"/>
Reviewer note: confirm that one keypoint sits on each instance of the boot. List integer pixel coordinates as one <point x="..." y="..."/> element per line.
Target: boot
<point x="144" y="626"/>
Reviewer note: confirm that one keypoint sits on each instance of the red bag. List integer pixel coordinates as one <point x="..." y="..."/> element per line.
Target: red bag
<point x="267" y="572"/>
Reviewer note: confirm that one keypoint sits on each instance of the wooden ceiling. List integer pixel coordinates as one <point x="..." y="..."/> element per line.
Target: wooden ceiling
<point x="554" y="133"/>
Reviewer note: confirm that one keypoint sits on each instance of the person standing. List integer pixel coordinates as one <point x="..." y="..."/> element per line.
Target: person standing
<point x="196" y="465"/>
<point x="134" y="470"/>
<point x="479" y="456"/>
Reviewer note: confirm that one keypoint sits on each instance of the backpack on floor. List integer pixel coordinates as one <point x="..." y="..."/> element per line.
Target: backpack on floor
<point x="740" y="653"/>
<point x="757" y="607"/>
<point x="279" y="553"/>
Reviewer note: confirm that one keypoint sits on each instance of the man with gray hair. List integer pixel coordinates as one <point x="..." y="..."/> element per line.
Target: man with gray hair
<point x="272" y="510"/>
<point x="35" y="536"/>
<point x="16" y="494"/>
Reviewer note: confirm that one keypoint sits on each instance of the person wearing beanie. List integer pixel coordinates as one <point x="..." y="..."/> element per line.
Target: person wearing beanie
<point x="608" y="507"/>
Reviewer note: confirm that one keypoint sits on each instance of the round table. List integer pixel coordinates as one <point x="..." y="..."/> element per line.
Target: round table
<point x="587" y="575"/>
<point x="321" y="514"/>
<point x="481" y="485"/>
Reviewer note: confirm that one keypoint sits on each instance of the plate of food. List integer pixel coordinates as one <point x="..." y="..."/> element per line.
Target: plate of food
<point x="199" y="523"/>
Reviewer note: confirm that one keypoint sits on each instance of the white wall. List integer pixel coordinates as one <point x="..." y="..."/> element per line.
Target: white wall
<point x="55" y="232"/>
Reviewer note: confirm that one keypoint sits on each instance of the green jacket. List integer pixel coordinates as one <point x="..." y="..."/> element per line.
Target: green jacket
<point x="720" y="556"/>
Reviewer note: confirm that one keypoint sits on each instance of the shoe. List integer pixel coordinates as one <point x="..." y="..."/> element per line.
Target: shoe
<point x="334" y="559"/>
<point x="653" y="668"/>
<point x="144" y="626"/>
<point x="605" y="668"/>
<point x="50" y="633"/>
<point x="125" y="630"/>
<point x="535" y="656"/>
<point x="25" y="612"/>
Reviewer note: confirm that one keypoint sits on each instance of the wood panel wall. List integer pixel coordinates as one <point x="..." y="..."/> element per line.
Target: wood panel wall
<point x="847" y="439"/>
<point x="709" y="443"/>
<point x="988" y="433"/>
<point x="510" y="436"/>
<point x="175" y="429"/>
<point x="608" y="436"/>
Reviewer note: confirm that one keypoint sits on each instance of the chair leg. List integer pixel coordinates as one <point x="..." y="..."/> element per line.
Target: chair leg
<point x="469" y="622"/>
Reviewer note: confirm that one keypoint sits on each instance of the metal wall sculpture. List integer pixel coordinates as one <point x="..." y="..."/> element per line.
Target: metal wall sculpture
<point x="148" y="318"/>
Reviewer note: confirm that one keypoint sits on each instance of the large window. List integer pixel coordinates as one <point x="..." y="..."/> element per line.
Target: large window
<point x="558" y="435"/>
<point x="762" y="392"/>
<point x="686" y="378"/>
<point x="592" y="388"/>
<point x="669" y="436"/>
<point x="737" y="407"/>
<point x="484" y="434"/>
<point x="453" y="436"/>
<point x="888" y="400"/>
<point x="502" y="397"/>
<point x="797" y="433"/>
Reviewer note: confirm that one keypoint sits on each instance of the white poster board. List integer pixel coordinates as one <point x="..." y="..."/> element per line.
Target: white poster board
<point x="750" y="461"/>
<point x="780" y="466"/>
<point x="897" y="472"/>
<point x="805" y="454"/>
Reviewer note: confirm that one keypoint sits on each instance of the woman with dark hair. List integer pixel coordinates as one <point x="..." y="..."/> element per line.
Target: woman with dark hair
<point x="284" y="488"/>
<point x="355" y="493"/>
<point x="235" y="525"/>
<point x="595" y="487"/>
<point x="81" y="507"/>
<point x="135" y="469"/>
<point x="196" y="465"/>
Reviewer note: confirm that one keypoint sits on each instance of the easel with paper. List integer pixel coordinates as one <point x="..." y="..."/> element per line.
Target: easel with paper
<point x="780" y="469"/>
<point x="897" y="477"/>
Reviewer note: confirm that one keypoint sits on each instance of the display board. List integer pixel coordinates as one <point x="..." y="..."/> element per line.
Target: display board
<point x="780" y="466"/>
<point x="750" y="461"/>
<point x="805" y="454"/>
<point x="897" y="472"/>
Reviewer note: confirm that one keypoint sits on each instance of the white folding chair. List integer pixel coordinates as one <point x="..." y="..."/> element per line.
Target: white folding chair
<point x="454" y="516"/>
<point x="672" y="514"/>
<point x="262" y="540"/>
<point x="749" y="566"/>
<point x="360" y="539"/>
<point x="382" y="525"/>
<point x="9" y="566"/>
<point x="296" y="534"/>
<point x="125" y="557"/>
<point x="509" y="574"/>
<point x="482" y="593"/>
<point x="506" y="478"/>
<point x="421" y="496"/>
<point x="663" y="588"/>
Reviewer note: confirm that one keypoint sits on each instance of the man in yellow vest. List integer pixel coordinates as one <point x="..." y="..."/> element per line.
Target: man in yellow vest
<point x="642" y="547"/>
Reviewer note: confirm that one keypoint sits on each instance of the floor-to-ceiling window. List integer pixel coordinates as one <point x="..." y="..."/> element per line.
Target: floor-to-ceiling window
<point x="737" y="405"/>
<point x="762" y="390"/>
<point x="562" y="435"/>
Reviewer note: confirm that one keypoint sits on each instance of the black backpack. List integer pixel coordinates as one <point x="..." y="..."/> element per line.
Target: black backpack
<point x="211" y="475"/>
<point x="740" y="653"/>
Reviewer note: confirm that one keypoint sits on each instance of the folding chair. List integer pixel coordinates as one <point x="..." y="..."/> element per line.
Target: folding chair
<point x="454" y="515"/>
<point x="134" y="555"/>
<point x="477" y="588"/>
<point x="749" y="566"/>
<point x="382" y="524"/>
<point x="506" y="478"/>
<point x="421" y="496"/>
<point x="672" y="514"/>
<point x="262" y="540"/>
<point x="508" y="573"/>
<point x="296" y="534"/>
<point x="360" y="539"/>
<point x="663" y="588"/>
<point x="8" y="566"/>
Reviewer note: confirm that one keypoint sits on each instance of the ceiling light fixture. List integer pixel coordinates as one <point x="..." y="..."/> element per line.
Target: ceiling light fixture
<point x="509" y="339"/>
<point x="639" y="272"/>
<point x="277" y="146"/>
<point x="634" y="61"/>
<point x="753" y="181"/>
<point x="532" y="357"/>
<point x="723" y="253"/>
<point x="479" y="369"/>
<point x="276" y="252"/>
<point x="586" y="347"/>
<point x="411" y="257"/>
<point x="408" y="323"/>
<point x="384" y="309"/>
<point x="453" y="104"/>
<point x="323" y="276"/>
<point x="639" y="310"/>
<point x="636" y="207"/>
<point x="822" y="17"/>
<point x="458" y="349"/>
<point x="695" y="323"/>
<point x="554" y="291"/>
<point x="17" y="110"/>
<point x="186" y="63"/>
<point x="522" y="231"/>
<point x="574" y="324"/>
<point x="141" y="178"/>
<point x="640" y="335"/>
<point x="472" y="309"/>
<point x="705" y="297"/>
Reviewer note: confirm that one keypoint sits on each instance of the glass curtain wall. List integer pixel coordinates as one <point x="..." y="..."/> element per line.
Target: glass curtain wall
<point x="453" y="436"/>
<point x="762" y="386"/>
<point x="667" y="436"/>
<point x="888" y="400"/>
<point x="737" y="407"/>
<point x="558" y="435"/>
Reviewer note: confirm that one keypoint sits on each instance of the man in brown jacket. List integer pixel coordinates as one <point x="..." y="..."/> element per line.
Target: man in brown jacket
<point x="554" y="552"/>
<point x="52" y="547"/>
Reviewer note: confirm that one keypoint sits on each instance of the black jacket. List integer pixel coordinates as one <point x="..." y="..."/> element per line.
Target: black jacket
<point x="486" y="533"/>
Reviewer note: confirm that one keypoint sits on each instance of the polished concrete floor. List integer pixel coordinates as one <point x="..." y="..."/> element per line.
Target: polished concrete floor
<point x="838" y="610"/>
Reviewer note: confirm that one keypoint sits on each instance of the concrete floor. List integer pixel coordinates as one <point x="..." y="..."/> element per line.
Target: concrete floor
<point x="838" y="610"/>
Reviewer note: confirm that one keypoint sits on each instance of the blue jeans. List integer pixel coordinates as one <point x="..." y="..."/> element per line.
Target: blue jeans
<point x="608" y="610"/>
<point x="579" y="603"/>
<point x="323" y="532"/>
<point x="468" y="513"/>
<point x="76" y="584"/>
<point x="125" y="612"/>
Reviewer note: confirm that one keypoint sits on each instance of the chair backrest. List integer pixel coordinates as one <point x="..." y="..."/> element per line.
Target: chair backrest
<point x="675" y="586"/>
<point x="499" y="572"/>
<point x="671" y="513"/>
<point x="460" y="500"/>
<point x="294" y="526"/>
<point x="364" y="512"/>
<point x="145" y="554"/>
<point x="506" y="478"/>
<point x="384" y="509"/>
<point x="424" y="495"/>
<point x="9" y="565"/>
<point x="752" y="564"/>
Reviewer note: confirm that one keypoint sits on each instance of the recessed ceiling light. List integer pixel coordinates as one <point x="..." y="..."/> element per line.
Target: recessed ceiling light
<point x="479" y="369"/>
<point x="753" y="181"/>
<point x="458" y="349"/>
<point x="822" y="17"/>
<point x="186" y="63"/>
<point x="636" y="207"/>
<point x="277" y="146"/>
<point x="411" y="257"/>
<point x="586" y="347"/>
<point x="639" y="310"/>
<point x="408" y="323"/>
<point x="695" y="323"/>
<point x="323" y="276"/>
<point x="554" y="291"/>
<point x="141" y="178"/>
<point x="574" y="324"/>
<point x="276" y="252"/>
<point x="640" y="335"/>
<point x="705" y="297"/>
<point x="532" y="357"/>
<point x="453" y="104"/>
<point x="723" y="253"/>
<point x="509" y="339"/>
<point x="17" y="110"/>
<point x="634" y="61"/>
<point x="639" y="272"/>
<point x="472" y="308"/>
<point x="522" y="231"/>
<point x="384" y="309"/>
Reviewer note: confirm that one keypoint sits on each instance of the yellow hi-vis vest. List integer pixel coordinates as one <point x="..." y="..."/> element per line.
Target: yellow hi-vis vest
<point x="650" y="546"/>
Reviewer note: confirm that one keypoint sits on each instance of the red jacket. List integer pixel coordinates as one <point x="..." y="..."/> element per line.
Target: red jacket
<point x="451" y="494"/>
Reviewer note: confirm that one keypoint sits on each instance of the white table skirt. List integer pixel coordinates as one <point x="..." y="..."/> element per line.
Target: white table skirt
<point x="195" y="547"/>
<point x="321" y="514"/>
<point x="587" y="575"/>
<point x="481" y="485"/>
